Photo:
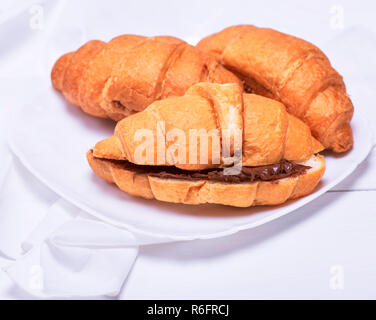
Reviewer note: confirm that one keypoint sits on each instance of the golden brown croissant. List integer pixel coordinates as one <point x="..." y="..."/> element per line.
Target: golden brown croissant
<point x="292" y="71"/>
<point x="123" y="76"/>
<point x="274" y="147"/>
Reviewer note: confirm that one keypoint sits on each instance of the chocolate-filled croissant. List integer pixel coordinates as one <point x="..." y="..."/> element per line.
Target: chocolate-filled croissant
<point x="292" y="71"/>
<point x="278" y="160"/>
<point x="123" y="76"/>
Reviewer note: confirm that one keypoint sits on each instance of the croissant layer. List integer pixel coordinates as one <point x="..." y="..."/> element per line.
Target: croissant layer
<point x="267" y="133"/>
<point x="290" y="70"/>
<point x="121" y="77"/>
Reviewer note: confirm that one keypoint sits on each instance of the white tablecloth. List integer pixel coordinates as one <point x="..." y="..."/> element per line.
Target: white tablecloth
<point x="324" y="250"/>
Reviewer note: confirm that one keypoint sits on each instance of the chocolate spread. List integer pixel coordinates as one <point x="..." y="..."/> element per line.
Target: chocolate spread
<point x="270" y="172"/>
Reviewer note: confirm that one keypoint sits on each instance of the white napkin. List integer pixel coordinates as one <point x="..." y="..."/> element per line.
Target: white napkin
<point x="23" y="203"/>
<point x="59" y="251"/>
<point x="72" y="255"/>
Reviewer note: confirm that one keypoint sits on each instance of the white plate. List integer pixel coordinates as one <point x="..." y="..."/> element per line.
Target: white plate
<point x="51" y="138"/>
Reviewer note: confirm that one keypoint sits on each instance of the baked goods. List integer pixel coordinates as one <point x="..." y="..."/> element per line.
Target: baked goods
<point x="123" y="76"/>
<point x="292" y="71"/>
<point x="277" y="150"/>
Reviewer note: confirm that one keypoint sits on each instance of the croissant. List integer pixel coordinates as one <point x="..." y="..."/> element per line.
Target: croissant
<point x="276" y="150"/>
<point x="123" y="76"/>
<point x="291" y="70"/>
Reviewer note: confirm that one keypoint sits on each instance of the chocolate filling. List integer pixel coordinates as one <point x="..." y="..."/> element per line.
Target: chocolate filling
<point x="270" y="172"/>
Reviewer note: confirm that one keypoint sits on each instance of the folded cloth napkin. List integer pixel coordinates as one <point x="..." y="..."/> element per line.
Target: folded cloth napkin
<point x="23" y="204"/>
<point x="72" y="255"/>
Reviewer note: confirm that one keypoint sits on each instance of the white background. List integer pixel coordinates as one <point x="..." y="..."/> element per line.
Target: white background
<point x="296" y="256"/>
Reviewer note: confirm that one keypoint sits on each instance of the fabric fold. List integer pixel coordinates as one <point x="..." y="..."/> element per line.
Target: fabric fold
<point x="72" y="255"/>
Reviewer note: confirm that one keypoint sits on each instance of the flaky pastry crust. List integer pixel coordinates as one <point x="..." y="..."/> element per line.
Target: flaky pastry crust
<point x="291" y="70"/>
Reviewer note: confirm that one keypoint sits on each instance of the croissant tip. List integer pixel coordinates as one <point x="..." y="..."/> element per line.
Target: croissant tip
<point x="109" y="148"/>
<point x="343" y="140"/>
<point x="317" y="146"/>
